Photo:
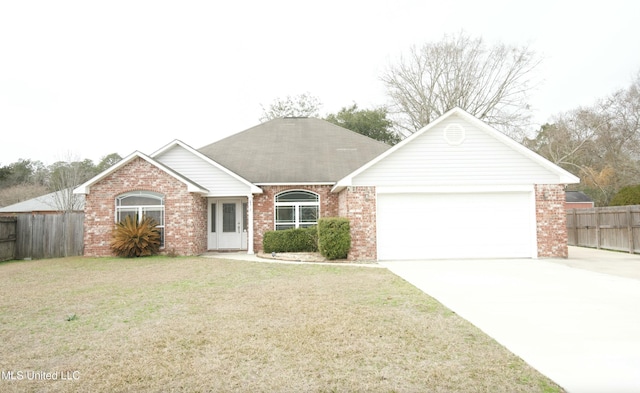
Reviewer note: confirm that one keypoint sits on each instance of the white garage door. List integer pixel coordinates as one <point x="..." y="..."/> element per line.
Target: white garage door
<point x="462" y="225"/>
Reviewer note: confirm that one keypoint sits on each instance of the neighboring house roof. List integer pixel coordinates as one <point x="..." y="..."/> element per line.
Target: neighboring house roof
<point x="85" y="188"/>
<point x="577" y="196"/>
<point x="43" y="203"/>
<point x="294" y="150"/>
<point x="553" y="174"/>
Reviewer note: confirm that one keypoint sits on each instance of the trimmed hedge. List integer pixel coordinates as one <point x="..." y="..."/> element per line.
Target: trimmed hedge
<point x="334" y="237"/>
<point x="291" y="240"/>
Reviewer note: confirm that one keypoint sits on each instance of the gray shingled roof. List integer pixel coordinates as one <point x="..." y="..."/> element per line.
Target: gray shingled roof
<point x="291" y="150"/>
<point x="577" y="196"/>
<point x="43" y="203"/>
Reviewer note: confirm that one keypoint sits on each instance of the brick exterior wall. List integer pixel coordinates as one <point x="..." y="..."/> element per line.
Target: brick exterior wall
<point x="264" y="208"/>
<point x="358" y="204"/>
<point x="551" y="221"/>
<point x="185" y="212"/>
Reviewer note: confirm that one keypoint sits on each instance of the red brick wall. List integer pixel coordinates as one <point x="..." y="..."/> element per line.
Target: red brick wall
<point x="185" y="212"/>
<point x="551" y="221"/>
<point x="264" y="213"/>
<point x="358" y="204"/>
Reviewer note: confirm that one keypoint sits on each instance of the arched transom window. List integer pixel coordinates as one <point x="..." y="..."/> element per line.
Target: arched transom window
<point x="142" y="204"/>
<point x="296" y="209"/>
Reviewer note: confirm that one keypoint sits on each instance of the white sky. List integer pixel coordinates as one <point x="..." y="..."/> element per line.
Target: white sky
<point x="89" y="78"/>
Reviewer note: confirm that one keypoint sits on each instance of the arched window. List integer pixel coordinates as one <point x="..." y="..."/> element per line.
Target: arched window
<point x="139" y="204"/>
<point x="296" y="209"/>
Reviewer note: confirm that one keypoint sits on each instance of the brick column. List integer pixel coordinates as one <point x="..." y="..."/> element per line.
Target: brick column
<point x="551" y="221"/>
<point x="358" y="204"/>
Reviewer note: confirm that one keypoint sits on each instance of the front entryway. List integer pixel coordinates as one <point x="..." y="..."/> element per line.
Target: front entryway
<point x="227" y="226"/>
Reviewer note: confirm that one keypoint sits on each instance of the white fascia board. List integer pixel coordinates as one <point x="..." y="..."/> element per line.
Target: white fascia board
<point x="85" y="188"/>
<point x="254" y="189"/>
<point x="301" y="183"/>
<point x="462" y="189"/>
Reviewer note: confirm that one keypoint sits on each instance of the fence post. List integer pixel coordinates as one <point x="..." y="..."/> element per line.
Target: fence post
<point x="576" y="241"/>
<point x="629" y="229"/>
<point x="597" y="228"/>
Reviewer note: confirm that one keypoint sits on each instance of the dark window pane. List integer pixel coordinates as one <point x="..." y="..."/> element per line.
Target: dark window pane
<point x="139" y="200"/>
<point x="297" y="196"/>
<point x="228" y="217"/>
<point x="245" y="216"/>
<point x="308" y="214"/>
<point x="155" y="214"/>
<point x="161" y="230"/>
<point x="213" y="217"/>
<point x="123" y="213"/>
<point x="285" y="214"/>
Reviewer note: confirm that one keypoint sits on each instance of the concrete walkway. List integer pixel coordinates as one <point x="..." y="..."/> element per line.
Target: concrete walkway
<point x="243" y="256"/>
<point x="577" y="321"/>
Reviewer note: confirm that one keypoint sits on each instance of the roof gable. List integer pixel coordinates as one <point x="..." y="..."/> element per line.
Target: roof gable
<point x="294" y="150"/>
<point x="457" y="148"/>
<point x="85" y="188"/>
<point x="196" y="166"/>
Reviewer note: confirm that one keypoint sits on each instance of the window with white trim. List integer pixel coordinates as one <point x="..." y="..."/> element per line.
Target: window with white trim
<point x="139" y="204"/>
<point x="296" y="209"/>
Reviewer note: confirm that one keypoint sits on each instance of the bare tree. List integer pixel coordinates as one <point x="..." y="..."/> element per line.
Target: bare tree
<point x="65" y="176"/>
<point x="20" y="192"/>
<point x="490" y="82"/>
<point x="599" y="143"/>
<point x="302" y="105"/>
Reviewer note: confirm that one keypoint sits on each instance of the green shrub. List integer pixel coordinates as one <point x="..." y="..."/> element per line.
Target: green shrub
<point x="629" y="195"/>
<point x="291" y="240"/>
<point x="334" y="237"/>
<point x="134" y="239"/>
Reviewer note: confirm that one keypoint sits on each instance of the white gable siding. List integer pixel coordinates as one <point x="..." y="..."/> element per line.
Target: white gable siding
<point x="217" y="181"/>
<point x="429" y="160"/>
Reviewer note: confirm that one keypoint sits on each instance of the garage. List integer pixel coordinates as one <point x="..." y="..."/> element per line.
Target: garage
<point x="445" y="225"/>
<point x="456" y="189"/>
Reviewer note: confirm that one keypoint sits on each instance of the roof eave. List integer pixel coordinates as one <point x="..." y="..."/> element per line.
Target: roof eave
<point x="564" y="177"/>
<point x="253" y="188"/>
<point x="85" y="188"/>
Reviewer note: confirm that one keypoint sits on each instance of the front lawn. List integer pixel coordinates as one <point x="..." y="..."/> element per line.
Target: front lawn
<point x="208" y="325"/>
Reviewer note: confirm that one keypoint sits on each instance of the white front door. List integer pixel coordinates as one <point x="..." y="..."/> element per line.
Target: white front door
<point x="226" y="225"/>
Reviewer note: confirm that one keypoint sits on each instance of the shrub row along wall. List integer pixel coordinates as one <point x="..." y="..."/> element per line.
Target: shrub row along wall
<point x="331" y="237"/>
<point x="291" y="240"/>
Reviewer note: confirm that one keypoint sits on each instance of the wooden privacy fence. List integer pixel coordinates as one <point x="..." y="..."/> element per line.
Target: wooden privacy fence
<point x="612" y="228"/>
<point x="7" y="238"/>
<point x="49" y="235"/>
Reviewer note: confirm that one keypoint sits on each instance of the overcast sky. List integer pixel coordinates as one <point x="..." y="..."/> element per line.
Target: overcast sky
<point x="89" y="78"/>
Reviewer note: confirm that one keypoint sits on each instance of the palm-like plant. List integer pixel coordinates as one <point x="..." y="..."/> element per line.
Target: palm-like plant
<point x="135" y="239"/>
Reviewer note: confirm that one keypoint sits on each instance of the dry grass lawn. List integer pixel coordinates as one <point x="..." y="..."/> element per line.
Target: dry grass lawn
<point x="209" y="325"/>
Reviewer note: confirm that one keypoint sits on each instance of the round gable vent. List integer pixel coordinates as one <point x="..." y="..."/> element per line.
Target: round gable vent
<point x="454" y="134"/>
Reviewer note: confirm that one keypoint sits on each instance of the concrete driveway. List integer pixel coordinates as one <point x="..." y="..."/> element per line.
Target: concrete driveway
<point x="577" y="321"/>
